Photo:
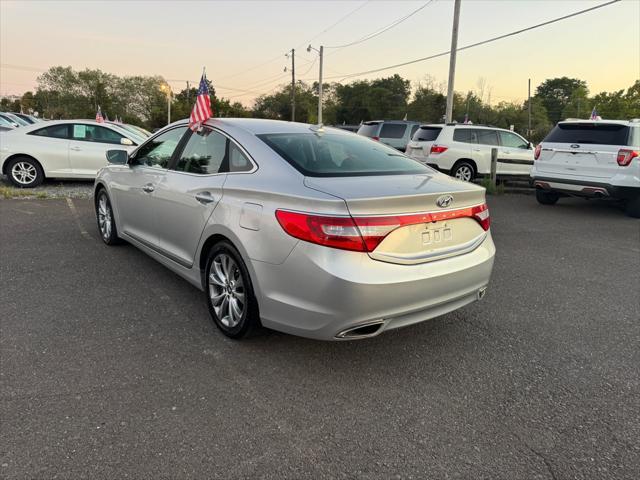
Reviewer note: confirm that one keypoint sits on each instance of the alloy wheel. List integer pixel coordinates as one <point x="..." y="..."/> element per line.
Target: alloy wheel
<point x="105" y="218"/>
<point x="24" y="173"/>
<point x="464" y="172"/>
<point x="226" y="290"/>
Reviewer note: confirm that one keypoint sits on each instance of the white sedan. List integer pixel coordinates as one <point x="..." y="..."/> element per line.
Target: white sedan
<point x="60" y="149"/>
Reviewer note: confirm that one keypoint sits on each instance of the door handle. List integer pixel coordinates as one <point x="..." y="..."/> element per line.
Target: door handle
<point x="76" y="149"/>
<point x="148" y="188"/>
<point x="205" y="198"/>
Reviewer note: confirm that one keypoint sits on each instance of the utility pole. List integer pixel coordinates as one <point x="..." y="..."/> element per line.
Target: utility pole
<point x="452" y="60"/>
<point x="320" y="53"/>
<point x="529" y="108"/>
<point x="293" y="83"/>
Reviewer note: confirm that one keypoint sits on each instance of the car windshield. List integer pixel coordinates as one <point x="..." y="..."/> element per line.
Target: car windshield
<point x="340" y="155"/>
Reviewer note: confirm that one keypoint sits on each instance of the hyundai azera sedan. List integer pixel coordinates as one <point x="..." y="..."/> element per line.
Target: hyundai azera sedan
<point x="60" y="149"/>
<point x="308" y="230"/>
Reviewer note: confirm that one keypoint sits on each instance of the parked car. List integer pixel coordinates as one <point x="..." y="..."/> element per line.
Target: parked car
<point x="348" y="128"/>
<point x="590" y="158"/>
<point x="311" y="231"/>
<point x="30" y="119"/>
<point x="464" y="150"/>
<point x="395" y="133"/>
<point x="59" y="149"/>
<point x="5" y="128"/>
<point x="7" y="123"/>
<point x="13" y="120"/>
<point x="134" y="129"/>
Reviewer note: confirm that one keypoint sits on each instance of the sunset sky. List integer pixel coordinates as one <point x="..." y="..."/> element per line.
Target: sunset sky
<point x="242" y="43"/>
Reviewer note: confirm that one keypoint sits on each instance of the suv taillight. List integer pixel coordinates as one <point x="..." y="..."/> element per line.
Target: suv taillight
<point x="364" y="234"/>
<point x="625" y="156"/>
<point x="536" y="152"/>
<point x="377" y="139"/>
<point x="438" y="148"/>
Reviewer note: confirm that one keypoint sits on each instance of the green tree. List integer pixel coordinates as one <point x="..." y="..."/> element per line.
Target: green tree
<point x="555" y="94"/>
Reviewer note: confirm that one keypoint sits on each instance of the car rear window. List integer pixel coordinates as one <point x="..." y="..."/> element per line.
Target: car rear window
<point x="426" y="134"/>
<point x="335" y="155"/>
<point x="393" y="130"/>
<point x="369" y="129"/>
<point x="595" y="133"/>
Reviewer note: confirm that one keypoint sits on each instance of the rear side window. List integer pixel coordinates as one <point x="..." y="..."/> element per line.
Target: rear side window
<point x="393" y="130"/>
<point x="427" y="134"/>
<point x="594" y="133"/>
<point x="369" y="130"/>
<point x="331" y="155"/>
<point x="487" y="137"/>
<point x="465" y="135"/>
<point x="55" y="131"/>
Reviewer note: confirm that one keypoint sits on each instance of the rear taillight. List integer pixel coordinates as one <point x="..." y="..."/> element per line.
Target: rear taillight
<point x="438" y="149"/>
<point x="364" y="234"/>
<point x="625" y="156"/>
<point x="377" y="139"/>
<point x="536" y="152"/>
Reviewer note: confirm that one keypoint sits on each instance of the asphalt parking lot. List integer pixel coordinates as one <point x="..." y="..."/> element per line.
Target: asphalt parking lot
<point x="111" y="368"/>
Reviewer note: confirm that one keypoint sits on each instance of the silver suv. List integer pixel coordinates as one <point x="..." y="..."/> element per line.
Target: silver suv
<point x="590" y="158"/>
<point x="395" y="133"/>
<point x="464" y="150"/>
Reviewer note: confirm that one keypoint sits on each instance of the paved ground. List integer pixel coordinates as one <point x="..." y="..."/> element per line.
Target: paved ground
<point x="50" y="188"/>
<point x="110" y="367"/>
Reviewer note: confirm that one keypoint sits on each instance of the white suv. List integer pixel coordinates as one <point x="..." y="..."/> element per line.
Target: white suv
<point x="464" y="150"/>
<point x="590" y="158"/>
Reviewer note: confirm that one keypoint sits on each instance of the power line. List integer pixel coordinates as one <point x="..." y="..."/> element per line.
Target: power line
<point x="477" y="44"/>
<point x="334" y="24"/>
<point x="381" y="30"/>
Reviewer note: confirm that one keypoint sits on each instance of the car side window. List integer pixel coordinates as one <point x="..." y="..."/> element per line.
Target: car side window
<point x="511" y="140"/>
<point x="204" y="153"/>
<point x="54" y="131"/>
<point x="487" y="137"/>
<point x="392" y="130"/>
<point x="465" y="135"/>
<point x="158" y="151"/>
<point x="238" y="162"/>
<point x="95" y="133"/>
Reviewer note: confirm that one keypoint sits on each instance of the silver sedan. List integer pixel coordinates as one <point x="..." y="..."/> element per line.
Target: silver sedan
<point x="308" y="230"/>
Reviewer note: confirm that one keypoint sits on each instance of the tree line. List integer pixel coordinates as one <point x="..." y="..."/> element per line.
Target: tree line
<point x="66" y="93"/>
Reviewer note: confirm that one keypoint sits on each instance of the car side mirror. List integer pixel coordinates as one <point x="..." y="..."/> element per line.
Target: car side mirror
<point x="126" y="141"/>
<point x="117" y="157"/>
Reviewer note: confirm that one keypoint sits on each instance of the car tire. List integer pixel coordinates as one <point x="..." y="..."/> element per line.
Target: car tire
<point x="545" y="197"/>
<point x="464" y="170"/>
<point x="229" y="293"/>
<point x="632" y="207"/>
<point x="105" y="219"/>
<point x="25" y="172"/>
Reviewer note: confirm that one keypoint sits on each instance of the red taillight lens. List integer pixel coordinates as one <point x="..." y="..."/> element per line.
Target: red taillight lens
<point x="536" y="152"/>
<point x="364" y="234"/>
<point x="625" y="157"/>
<point x="377" y="139"/>
<point x="438" y="149"/>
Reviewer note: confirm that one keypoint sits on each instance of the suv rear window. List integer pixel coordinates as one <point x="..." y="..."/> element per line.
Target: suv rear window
<point x="369" y="129"/>
<point x="393" y="130"/>
<point x="427" y="134"/>
<point x="335" y="155"/>
<point x="594" y="133"/>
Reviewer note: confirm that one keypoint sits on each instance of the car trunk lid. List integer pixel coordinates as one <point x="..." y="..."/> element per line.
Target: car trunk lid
<point x="429" y="216"/>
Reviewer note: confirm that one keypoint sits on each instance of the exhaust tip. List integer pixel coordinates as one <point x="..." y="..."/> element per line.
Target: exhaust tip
<point x="482" y="292"/>
<point x="361" y="331"/>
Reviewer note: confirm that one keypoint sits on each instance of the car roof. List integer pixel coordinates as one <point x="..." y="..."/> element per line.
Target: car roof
<point x="634" y="121"/>
<point x="50" y="123"/>
<point x="258" y="126"/>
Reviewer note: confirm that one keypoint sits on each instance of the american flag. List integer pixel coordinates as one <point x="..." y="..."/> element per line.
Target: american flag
<point x="99" y="117"/>
<point x="202" y="108"/>
<point x="594" y="114"/>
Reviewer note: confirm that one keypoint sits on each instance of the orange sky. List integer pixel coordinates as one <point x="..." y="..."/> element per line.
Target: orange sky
<point x="242" y="43"/>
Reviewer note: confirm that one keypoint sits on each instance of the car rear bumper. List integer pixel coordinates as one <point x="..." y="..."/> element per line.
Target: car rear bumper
<point x="585" y="188"/>
<point x="320" y="292"/>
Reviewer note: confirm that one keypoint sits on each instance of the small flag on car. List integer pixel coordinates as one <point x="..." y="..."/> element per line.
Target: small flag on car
<point x="202" y="108"/>
<point x="99" y="117"/>
<point x="594" y="114"/>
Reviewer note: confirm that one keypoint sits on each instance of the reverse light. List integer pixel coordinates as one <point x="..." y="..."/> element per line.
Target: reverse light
<point x="438" y="149"/>
<point x="364" y="234"/>
<point x="625" y="156"/>
<point x="536" y="152"/>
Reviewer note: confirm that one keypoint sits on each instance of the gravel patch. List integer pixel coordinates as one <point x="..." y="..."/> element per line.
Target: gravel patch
<point x="48" y="189"/>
